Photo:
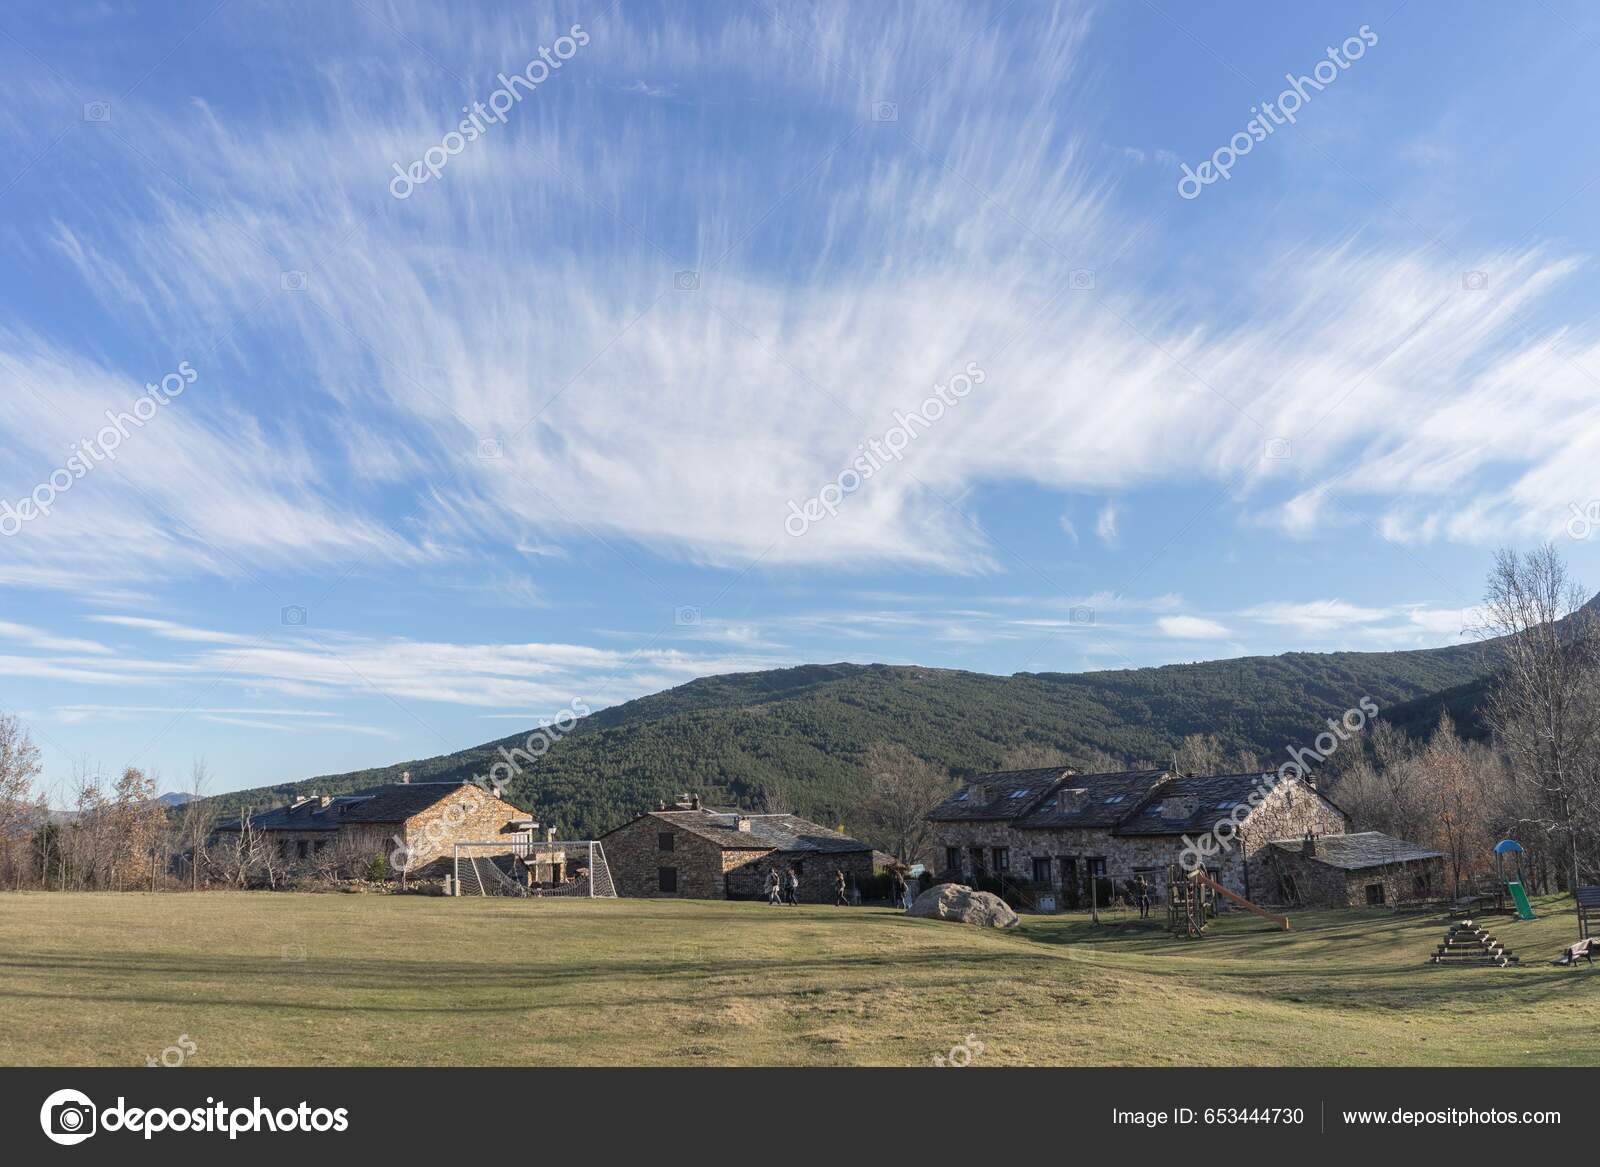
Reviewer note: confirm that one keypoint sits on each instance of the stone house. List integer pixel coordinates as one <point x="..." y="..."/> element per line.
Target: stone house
<point x="1367" y="869"/>
<point x="414" y="825"/>
<point x="691" y="852"/>
<point x="1052" y="830"/>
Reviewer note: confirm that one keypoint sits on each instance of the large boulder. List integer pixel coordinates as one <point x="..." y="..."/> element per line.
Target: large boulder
<point x="955" y="901"/>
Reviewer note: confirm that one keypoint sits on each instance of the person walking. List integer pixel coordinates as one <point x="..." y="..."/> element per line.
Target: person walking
<point x="794" y="887"/>
<point x="1142" y="886"/>
<point x="899" y="884"/>
<point x="774" y="888"/>
<point x="840" y="900"/>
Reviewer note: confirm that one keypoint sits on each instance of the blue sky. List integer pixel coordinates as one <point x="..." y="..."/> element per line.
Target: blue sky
<point x="531" y="433"/>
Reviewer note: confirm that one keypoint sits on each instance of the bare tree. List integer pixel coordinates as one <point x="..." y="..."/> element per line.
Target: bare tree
<point x="19" y="766"/>
<point x="1033" y="756"/>
<point x="903" y="789"/>
<point x="198" y="820"/>
<point x="1544" y="707"/>
<point x="1200" y="753"/>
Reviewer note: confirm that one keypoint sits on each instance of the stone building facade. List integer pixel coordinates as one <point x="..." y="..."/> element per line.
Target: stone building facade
<point x="413" y="825"/>
<point x="1052" y="830"/>
<point x="689" y="852"/>
<point x="1367" y="869"/>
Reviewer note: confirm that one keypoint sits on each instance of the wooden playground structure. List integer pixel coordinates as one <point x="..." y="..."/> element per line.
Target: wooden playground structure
<point x="1192" y="903"/>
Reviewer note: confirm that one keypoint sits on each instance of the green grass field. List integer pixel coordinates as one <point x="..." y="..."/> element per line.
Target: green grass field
<point x="287" y="979"/>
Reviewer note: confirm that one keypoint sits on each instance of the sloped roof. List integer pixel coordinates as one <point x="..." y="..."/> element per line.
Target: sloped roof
<point x="1094" y="800"/>
<point x="768" y="832"/>
<point x="393" y="803"/>
<point x="1359" y="851"/>
<point x="1194" y="802"/>
<point x="1010" y="794"/>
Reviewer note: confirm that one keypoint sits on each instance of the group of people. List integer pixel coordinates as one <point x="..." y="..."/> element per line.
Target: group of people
<point x="784" y="888"/>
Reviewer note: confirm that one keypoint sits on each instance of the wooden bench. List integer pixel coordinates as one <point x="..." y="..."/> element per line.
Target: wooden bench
<point x="1588" y="901"/>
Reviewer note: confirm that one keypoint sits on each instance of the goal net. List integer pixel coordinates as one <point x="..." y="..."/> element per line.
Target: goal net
<point x="523" y="867"/>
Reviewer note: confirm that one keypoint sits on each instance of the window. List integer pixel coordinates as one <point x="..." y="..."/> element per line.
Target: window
<point x="1226" y="805"/>
<point x="664" y="841"/>
<point x="1115" y="798"/>
<point x="799" y="870"/>
<point x="1018" y="793"/>
<point x="318" y="845"/>
<point x="1097" y="865"/>
<point x="1374" y="894"/>
<point x="961" y="796"/>
<point x="1002" y="858"/>
<point x="1156" y="809"/>
<point x="302" y="849"/>
<point x="952" y="859"/>
<point x="1041" y="869"/>
<point x="977" y="859"/>
<point x="283" y="848"/>
<point x="667" y="879"/>
<point x="1420" y="884"/>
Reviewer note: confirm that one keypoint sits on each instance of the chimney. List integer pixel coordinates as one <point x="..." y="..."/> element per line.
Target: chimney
<point x="549" y="834"/>
<point x="743" y="824"/>
<point x="694" y="802"/>
<point x="405" y="779"/>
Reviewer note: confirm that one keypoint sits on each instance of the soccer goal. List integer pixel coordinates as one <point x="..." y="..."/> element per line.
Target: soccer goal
<point x="524" y="867"/>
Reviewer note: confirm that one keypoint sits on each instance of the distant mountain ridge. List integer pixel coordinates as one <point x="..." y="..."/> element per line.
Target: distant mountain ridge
<point x="795" y="738"/>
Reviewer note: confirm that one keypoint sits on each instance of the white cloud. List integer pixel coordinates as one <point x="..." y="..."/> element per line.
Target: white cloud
<point x="34" y="638"/>
<point x="1192" y="628"/>
<point x="628" y="408"/>
<point x="1105" y="524"/>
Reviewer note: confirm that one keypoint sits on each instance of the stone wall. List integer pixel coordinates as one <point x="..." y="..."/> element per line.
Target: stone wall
<point x="747" y="873"/>
<point x="636" y="858"/>
<point x="1325" y="886"/>
<point x="1287" y="811"/>
<point x="468" y="815"/>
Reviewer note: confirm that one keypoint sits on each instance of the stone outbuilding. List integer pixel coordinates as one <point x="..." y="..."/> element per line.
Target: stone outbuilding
<point x="414" y="824"/>
<point x="1049" y="831"/>
<point x="691" y="852"/>
<point x="1366" y="869"/>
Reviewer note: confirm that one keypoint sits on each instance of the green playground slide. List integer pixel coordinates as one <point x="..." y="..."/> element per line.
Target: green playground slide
<point x="1524" y="909"/>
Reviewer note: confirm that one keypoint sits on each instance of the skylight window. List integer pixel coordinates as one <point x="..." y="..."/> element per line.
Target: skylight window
<point x="1115" y="798"/>
<point x="962" y="797"/>
<point x="1226" y="805"/>
<point x="1017" y="793"/>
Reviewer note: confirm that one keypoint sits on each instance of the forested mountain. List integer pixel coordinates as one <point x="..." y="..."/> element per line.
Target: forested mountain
<point x="795" y="737"/>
